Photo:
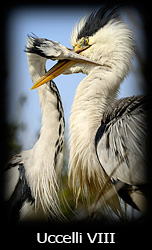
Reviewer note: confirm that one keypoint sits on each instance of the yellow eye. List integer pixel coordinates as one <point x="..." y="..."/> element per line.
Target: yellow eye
<point x="82" y="44"/>
<point x="86" y="41"/>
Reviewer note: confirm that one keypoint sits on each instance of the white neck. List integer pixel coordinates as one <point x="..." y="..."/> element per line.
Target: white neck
<point x="48" y="101"/>
<point x="46" y="163"/>
<point x="93" y="95"/>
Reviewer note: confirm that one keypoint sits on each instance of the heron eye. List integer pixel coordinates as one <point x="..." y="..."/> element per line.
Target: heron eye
<point x="86" y="41"/>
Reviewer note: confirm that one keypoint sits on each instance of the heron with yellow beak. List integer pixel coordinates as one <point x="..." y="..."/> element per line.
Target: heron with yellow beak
<point x="104" y="132"/>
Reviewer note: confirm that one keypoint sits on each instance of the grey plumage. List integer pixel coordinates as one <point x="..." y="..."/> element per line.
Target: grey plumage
<point x="123" y="131"/>
<point x="20" y="192"/>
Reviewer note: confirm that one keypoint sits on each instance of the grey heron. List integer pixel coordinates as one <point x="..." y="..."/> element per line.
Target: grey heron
<point x="32" y="178"/>
<point x="103" y="130"/>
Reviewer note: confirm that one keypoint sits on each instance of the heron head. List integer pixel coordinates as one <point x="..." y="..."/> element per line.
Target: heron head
<point x="100" y="40"/>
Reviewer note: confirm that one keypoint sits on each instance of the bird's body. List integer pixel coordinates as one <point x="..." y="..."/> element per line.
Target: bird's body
<point x="33" y="177"/>
<point x="106" y="136"/>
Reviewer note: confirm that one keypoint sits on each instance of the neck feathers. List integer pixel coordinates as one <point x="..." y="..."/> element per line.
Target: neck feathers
<point x="91" y="99"/>
<point x="48" y="153"/>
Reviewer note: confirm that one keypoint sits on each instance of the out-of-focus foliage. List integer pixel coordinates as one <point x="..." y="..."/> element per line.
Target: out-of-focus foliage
<point x="12" y="143"/>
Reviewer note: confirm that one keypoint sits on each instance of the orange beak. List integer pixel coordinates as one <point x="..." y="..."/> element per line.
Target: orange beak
<point x="55" y="71"/>
<point x="62" y="65"/>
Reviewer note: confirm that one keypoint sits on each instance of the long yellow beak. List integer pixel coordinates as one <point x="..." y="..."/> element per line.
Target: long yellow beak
<point x="63" y="65"/>
<point x="55" y="71"/>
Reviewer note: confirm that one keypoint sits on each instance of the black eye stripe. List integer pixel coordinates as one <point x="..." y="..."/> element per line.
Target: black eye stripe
<point x="98" y="19"/>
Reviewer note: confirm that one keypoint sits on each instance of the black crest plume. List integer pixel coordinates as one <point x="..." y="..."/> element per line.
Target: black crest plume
<point x="98" y="19"/>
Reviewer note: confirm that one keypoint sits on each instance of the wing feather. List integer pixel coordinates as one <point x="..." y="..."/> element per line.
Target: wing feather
<point x="11" y="176"/>
<point x="16" y="189"/>
<point x="124" y="133"/>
